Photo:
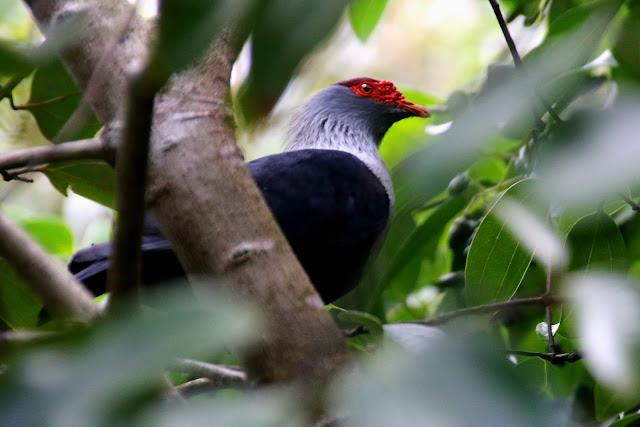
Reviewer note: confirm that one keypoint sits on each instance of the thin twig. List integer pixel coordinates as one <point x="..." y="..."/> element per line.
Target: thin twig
<point x="22" y="337"/>
<point x="92" y="148"/>
<point x="197" y="386"/>
<point x="351" y="333"/>
<point x="40" y="104"/>
<point x="635" y="206"/>
<point x="517" y="60"/>
<point x="550" y="338"/>
<point x="555" y="358"/>
<point x="543" y="300"/>
<point x="220" y="376"/>
<point x="60" y="293"/>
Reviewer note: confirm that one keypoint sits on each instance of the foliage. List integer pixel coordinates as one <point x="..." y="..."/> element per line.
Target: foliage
<point x="503" y="202"/>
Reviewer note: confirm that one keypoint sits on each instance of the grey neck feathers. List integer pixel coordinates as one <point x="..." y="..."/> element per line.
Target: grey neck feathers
<point x="323" y="124"/>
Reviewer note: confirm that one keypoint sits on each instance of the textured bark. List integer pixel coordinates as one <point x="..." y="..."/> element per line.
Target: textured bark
<point x="204" y="197"/>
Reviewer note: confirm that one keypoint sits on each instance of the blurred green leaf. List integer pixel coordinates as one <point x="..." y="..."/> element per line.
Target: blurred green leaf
<point x="13" y="60"/>
<point x="447" y="384"/>
<point x="596" y="244"/>
<point x="19" y="305"/>
<point x="187" y="28"/>
<point x="497" y="261"/>
<point x="628" y="420"/>
<point x="53" y="234"/>
<point x="569" y="218"/>
<point x="606" y="145"/>
<point x="582" y="28"/>
<point x="270" y="407"/>
<point x="607" y="310"/>
<point x="609" y="403"/>
<point x="55" y="96"/>
<point x="554" y="380"/>
<point x="93" y="179"/>
<point x="528" y="8"/>
<point x="625" y="47"/>
<point x="488" y="170"/>
<point x="364" y="16"/>
<point x="97" y="374"/>
<point x="286" y="31"/>
<point x="423" y="240"/>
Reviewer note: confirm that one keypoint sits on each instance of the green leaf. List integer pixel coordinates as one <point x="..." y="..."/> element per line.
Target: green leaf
<point x="286" y="31"/>
<point x="53" y="234"/>
<point x="497" y="262"/>
<point x="121" y="360"/>
<point x="446" y="384"/>
<point x="50" y="82"/>
<point x="93" y="179"/>
<point x="19" y="305"/>
<point x="364" y="16"/>
<point x="596" y="243"/>
<point x="625" y="47"/>
<point x="629" y="420"/>
<point x="610" y="403"/>
<point x="422" y="242"/>
<point x="13" y="60"/>
<point x="187" y="27"/>
<point x="580" y="28"/>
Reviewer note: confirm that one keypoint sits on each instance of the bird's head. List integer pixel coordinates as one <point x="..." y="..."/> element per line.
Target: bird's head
<point x="382" y="95"/>
<point x="352" y="114"/>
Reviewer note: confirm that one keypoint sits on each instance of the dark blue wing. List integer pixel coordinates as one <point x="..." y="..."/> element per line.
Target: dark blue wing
<point x="329" y="205"/>
<point x="331" y="208"/>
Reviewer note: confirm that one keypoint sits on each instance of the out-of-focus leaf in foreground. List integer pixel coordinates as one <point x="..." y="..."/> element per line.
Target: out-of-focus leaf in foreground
<point x="449" y="383"/>
<point x="95" y="374"/>
<point x="607" y="315"/>
<point x="600" y="159"/>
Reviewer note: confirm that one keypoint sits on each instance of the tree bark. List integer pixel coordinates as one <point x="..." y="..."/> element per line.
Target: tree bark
<point x="203" y="195"/>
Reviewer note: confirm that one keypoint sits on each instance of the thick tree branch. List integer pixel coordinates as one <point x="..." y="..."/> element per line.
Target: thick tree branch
<point x="61" y="295"/>
<point x="93" y="148"/>
<point x="222" y="230"/>
<point x="544" y="300"/>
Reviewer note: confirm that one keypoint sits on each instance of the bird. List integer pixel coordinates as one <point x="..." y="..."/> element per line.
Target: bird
<point x="329" y="191"/>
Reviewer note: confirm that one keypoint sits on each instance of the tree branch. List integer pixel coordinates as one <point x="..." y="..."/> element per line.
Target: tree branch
<point x="544" y="300"/>
<point x="61" y="294"/>
<point x="123" y="278"/>
<point x="555" y="358"/>
<point x="219" y="376"/>
<point x="93" y="148"/>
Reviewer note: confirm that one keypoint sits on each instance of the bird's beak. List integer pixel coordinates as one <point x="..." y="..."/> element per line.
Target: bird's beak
<point x="413" y="109"/>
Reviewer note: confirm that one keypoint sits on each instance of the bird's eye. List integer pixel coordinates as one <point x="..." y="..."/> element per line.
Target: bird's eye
<point x="365" y="88"/>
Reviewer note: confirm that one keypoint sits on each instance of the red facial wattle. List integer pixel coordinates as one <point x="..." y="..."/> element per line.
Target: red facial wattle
<point x="385" y="92"/>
